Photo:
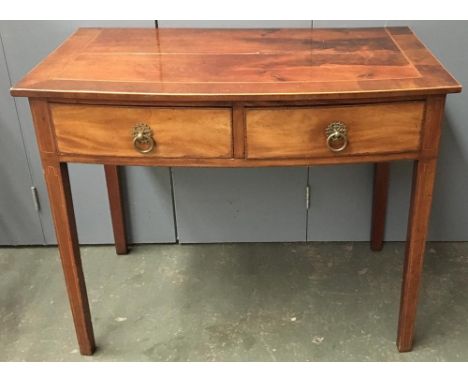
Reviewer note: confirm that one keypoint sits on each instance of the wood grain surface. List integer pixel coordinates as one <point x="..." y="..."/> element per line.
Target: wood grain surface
<point x="300" y="132"/>
<point x="114" y="192"/>
<point x="424" y="174"/>
<point x="177" y="132"/>
<point x="61" y="203"/>
<point x="379" y="204"/>
<point x="222" y="64"/>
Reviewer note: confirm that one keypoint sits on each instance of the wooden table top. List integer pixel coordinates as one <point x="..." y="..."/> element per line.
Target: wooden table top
<point x="238" y="65"/>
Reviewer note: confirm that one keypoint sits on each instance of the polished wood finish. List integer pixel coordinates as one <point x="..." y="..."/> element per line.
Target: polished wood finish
<point x="238" y="98"/>
<point x="238" y="122"/>
<point x="300" y="132"/>
<point x="423" y="181"/>
<point x="177" y="132"/>
<point x="379" y="204"/>
<point x="116" y="208"/>
<point x="58" y="187"/>
<point x="421" y="200"/>
<point x="273" y="162"/>
<point x="238" y="65"/>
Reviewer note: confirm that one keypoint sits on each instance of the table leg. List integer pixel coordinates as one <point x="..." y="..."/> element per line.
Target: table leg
<point x="116" y="208"/>
<point x="379" y="204"/>
<point x="58" y="185"/>
<point x="421" y="200"/>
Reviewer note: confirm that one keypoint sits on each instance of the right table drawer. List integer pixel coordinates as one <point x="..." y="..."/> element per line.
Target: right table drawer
<point x="301" y="132"/>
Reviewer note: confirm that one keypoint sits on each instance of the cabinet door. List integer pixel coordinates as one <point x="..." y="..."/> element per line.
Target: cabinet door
<point x="19" y="220"/>
<point x="147" y="191"/>
<point x="239" y="205"/>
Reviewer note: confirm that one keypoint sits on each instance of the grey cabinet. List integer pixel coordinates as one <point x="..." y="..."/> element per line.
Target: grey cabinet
<point x="240" y="205"/>
<point x="19" y="221"/>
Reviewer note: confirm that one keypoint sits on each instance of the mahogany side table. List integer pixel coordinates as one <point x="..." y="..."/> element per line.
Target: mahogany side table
<point x="238" y="98"/>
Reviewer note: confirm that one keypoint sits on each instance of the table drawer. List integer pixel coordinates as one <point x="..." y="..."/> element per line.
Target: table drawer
<point x="173" y="132"/>
<point x="300" y="132"/>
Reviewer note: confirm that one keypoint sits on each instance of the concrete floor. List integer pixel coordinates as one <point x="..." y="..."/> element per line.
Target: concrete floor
<point x="235" y="302"/>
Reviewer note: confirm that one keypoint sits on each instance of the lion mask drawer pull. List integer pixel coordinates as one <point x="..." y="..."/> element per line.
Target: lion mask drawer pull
<point x="337" y="136"/>
<point x="143" y="138"/>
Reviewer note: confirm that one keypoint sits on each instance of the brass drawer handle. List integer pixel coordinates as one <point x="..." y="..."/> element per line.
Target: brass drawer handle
<point x="143" y="138"/>
<point x="337" y="136"/>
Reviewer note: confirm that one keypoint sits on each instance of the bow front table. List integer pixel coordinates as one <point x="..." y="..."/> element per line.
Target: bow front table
<point x="238" y="98"/>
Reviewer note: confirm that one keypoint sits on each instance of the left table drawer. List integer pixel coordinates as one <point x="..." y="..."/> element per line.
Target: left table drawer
<point x="165" y="132"/>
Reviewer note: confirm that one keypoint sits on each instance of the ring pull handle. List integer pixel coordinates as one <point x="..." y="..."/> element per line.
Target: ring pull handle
<point x="143" y="141"/>
<point x="337" y="136"/>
